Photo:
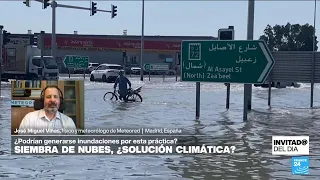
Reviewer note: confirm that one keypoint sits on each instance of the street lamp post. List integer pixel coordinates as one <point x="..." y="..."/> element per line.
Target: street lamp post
<point x="142" y="42"/>
<point x="53" y="35"/>
<point x="313" y="53"/>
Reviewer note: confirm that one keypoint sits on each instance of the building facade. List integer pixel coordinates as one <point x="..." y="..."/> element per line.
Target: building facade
<point x="110" y="48"/>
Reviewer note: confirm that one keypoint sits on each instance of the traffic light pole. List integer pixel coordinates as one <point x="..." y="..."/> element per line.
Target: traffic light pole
<point x="1" y="44"/>
<point x="82" y="8"/>
<point x="54" y="5"/>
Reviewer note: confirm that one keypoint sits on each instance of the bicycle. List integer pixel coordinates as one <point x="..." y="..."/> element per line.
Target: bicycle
<point x="132" y="95"/>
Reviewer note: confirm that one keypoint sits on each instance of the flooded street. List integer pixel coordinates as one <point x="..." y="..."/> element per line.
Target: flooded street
<point x="172" y="104"/>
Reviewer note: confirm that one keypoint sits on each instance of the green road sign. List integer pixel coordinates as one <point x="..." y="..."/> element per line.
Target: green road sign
<point x="227" y="61"/>
<point x="76" y="61"/>
<point x="156" y="67"/>
<point x="147" y="67"/>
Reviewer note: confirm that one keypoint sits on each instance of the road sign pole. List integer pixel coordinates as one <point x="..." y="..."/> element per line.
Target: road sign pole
<point x="177" y="61"/>
<point x="248" y="87"/>
<point x="176" y="71"/>
<point x="269" y="93"/>
<point x="228" y="96"/>
<point x="197" y="100"/>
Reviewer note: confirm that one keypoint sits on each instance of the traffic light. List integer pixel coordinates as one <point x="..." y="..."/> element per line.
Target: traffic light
<point x="34" y="40"/>
<point x="6" y="38"/>
<point x="113" y="11"/>
<point x="226" y="34"/>
<point x="27" y="3"/>
<point x="93" y="8"/>
<point x="45" y="4"/>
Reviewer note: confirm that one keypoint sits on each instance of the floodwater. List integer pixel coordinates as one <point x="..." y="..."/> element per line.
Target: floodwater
<point x="172" y="104"/>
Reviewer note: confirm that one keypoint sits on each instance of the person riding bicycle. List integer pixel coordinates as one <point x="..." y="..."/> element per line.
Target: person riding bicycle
<point x="123" y="88"/>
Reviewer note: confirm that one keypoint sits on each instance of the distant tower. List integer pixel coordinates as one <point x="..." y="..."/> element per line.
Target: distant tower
<point x="125" y="32"/>
<point x="29" y="31"/>
<point x="75" y="32"/>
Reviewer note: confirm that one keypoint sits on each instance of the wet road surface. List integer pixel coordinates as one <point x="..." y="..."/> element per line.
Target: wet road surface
<point x="172" y="104"/>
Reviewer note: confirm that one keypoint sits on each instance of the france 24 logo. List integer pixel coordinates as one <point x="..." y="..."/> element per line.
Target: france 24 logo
<point x="290" y="145"/>
<point x="300" y="165"/>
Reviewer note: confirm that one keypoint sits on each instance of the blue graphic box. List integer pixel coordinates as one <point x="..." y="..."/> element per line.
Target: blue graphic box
<point x="300" y="165"/>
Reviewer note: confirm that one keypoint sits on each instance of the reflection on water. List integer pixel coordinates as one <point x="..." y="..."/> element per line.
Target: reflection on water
<point x="172" y="104"/>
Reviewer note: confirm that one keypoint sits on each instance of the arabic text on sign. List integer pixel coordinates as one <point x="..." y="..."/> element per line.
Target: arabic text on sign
<point x="246" y="60"/>
<point x="192" y="65"/>
<point x="216" y="47"/>
<point x="248" y="48"/>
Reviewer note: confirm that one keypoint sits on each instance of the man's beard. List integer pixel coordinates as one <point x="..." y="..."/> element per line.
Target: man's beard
<point x="51" y="108"/>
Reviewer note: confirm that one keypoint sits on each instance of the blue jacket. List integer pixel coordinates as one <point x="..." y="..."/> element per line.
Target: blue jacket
<point x="122" y="81"/>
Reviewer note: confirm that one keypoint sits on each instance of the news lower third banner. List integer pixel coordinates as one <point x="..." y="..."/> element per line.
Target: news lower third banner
<point x="116" y="145"/>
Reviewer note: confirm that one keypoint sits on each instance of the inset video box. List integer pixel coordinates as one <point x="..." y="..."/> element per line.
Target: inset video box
<point x="46" y="106"/>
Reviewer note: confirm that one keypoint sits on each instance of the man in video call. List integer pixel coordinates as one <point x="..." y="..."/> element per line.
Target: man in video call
<point x="48" y="118"/>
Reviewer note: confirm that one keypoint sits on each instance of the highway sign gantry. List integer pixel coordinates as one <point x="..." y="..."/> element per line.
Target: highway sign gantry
<point x="76" y="61"/>
<point x="226" y="61"/>
<point x="156" y="67"/>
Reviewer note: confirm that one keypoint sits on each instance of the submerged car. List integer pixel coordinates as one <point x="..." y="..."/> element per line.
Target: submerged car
<point x="92" y="66"/>
<point x="106" y="73"/>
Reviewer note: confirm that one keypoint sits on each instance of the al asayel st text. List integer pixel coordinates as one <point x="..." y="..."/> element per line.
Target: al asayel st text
<point x="116" y="141"/>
